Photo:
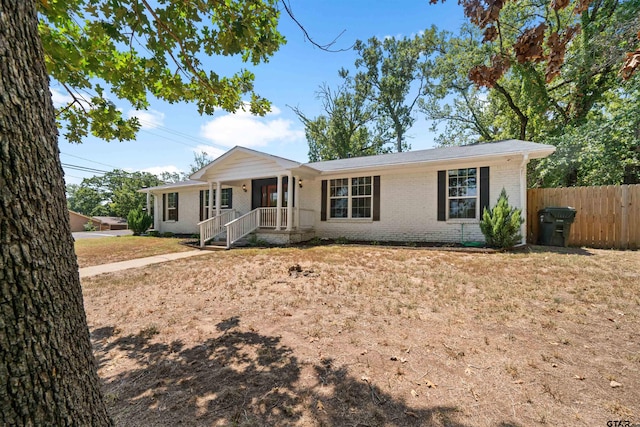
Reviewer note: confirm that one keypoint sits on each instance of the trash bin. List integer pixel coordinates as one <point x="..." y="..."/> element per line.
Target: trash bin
<point x="555" y="225"/>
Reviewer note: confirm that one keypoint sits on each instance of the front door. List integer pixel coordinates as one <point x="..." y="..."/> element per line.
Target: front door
<point x="269" y="195"/>
<point x="264" y="193"/>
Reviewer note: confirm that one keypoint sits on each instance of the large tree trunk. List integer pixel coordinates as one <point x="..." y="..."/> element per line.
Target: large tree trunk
<point x="47" y="370"/>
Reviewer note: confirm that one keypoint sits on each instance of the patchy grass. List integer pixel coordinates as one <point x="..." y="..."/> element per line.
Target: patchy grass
<point x="113" y="249"/>
<point x="371" y="336"/>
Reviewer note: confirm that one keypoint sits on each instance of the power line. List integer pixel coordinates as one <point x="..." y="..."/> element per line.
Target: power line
<point x="199" y="140"/>
<point x="83" y="168"/>
<point x="73" y="176"/>
<point x="96" y="171"/>
<point x="89" y="160"/>
<point x="174" y="132"/>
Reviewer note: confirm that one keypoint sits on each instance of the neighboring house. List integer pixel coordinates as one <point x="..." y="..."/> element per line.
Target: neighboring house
<point x="78" y="221"/>
<point x="434" y="195"/>
<point x="112" y="223"/>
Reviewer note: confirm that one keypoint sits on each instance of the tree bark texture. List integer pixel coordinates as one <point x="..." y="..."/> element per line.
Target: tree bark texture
<point x="47" y="370"/>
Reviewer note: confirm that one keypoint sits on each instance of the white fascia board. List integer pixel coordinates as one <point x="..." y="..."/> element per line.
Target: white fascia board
<point x="430" y="163"/>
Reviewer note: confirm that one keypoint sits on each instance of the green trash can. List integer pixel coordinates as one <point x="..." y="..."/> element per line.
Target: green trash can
<point x="555" y="225"/>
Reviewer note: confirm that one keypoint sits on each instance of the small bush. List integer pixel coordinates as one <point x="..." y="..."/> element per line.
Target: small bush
<point x="138" y="221"/>
<point x="315" y="241"/>
<point x="89" y="226"/>
<point x="501" y="224"/>
<point x="254" y="242"/>
<point x="167" y="234"/>
<point x="154" y="233"/>
<point x="342" y="240"/>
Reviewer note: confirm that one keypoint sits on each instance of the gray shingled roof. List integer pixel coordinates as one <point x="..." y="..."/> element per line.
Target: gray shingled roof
<point x="186" y="183"/>
<point x="511" y="146"/>
<point x="432" y="155"/>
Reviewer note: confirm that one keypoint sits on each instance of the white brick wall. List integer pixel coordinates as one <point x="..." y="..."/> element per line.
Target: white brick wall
<point x="189" y="209"/>
<point x="408" y="206"/>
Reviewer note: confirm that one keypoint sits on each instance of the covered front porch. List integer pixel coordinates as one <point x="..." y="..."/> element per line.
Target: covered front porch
<point x="266" y="199"/>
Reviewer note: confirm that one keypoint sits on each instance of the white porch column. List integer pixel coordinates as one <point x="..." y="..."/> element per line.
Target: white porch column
<point x="279" y="203"/>
<point x="157" y="212"/>
<point x="290" y="189"/>
<point x="523" y="197"/>
<point x="148" y="203"/>
<point x="210" y="212"/>
<point x="218" y="197"/>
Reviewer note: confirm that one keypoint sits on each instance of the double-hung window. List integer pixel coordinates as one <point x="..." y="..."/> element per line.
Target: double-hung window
<point x="463" y="193"/>
<point x="172" y="207"/>
<point x="361" y="195"/>
<point x="225" y="201"/>
<point x="350" y="197"/>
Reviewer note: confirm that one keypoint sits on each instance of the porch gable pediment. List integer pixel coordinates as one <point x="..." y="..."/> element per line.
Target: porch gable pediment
<point x="241" y="163"/>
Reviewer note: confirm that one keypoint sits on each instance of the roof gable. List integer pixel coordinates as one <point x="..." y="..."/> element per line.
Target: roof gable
<point x="238" y="153"/>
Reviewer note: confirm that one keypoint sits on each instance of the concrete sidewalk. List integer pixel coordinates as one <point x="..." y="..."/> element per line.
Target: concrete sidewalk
<point x="136" y="263"/>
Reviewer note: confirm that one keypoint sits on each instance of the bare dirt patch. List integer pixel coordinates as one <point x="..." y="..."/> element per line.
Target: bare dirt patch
<point x="113" y="249"/>
<point x="371" y="336"/>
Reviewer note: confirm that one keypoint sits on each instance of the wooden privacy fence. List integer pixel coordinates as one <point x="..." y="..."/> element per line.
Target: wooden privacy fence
<point x="606" y="216"/>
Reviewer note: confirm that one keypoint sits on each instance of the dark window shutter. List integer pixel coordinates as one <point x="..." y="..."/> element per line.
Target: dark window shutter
<point x="201" y="205"/>
<point x="230" y="191"/>
<point x="164" y="206"/>
<point x="177" y="206"/>
<point x="442" y="195"/>
<point x="323" y="201"/>
<point x="484" y="189"/>
<point x="376" y="198"/>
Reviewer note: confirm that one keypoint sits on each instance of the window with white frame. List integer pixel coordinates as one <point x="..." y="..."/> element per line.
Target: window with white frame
<point x="172" y="206"/>
<point x="225" y="201"/>
<point x="350" y="197"/>
<point x="339" y="198"/>
<point x="463" y="193"/>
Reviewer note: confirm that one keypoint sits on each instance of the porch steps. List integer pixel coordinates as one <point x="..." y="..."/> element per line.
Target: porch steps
<point x="217" y="245"/>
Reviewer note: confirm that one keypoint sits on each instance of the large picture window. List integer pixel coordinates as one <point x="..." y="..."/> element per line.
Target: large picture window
<point x="463" y="193"/>
<point x="350" y="197"/>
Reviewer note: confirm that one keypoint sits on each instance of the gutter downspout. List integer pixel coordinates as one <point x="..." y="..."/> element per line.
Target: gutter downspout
<point x="523" y="196"/>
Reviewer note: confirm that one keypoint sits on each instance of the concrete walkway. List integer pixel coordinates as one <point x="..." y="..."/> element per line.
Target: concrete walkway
<point x="136" y="263"/>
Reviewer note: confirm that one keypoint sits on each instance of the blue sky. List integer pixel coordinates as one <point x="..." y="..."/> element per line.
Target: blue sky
<point x="171" y="134"/>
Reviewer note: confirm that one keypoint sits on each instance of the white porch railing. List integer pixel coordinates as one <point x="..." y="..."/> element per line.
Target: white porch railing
<point x="269" y="217"/>
<point x="266" y="218"/>
<point x="210" y="228"/>
<point x="240" y="227"/>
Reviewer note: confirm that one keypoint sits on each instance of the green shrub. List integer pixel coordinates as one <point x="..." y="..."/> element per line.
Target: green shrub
<point x="501" y="224"/>
<point x="254" y="242"/>
<point x="89" y="226"/>
<point x="315" y="241"/>
<point x="138" y="221"/>
<point x="342" y="240"/>
<point x="167" y="234"/>
<point x="154" y="233"/>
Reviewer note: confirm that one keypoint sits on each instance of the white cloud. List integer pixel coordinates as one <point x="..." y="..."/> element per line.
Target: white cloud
<point x="243" y="128"/>
<point x="59" y="98"/>
<point x="149" y="119"/>
<point x="157" y="170"/>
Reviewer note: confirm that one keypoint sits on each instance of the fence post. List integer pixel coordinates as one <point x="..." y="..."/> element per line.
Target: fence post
<point x="624" y="213"/>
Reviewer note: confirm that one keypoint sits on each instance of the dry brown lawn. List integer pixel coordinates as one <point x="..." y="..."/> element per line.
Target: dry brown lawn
<point x="113" y="249"/>
<point x="371" y="336"/>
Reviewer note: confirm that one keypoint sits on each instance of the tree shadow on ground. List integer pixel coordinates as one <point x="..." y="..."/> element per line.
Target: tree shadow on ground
<point x="242" y="378"/>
